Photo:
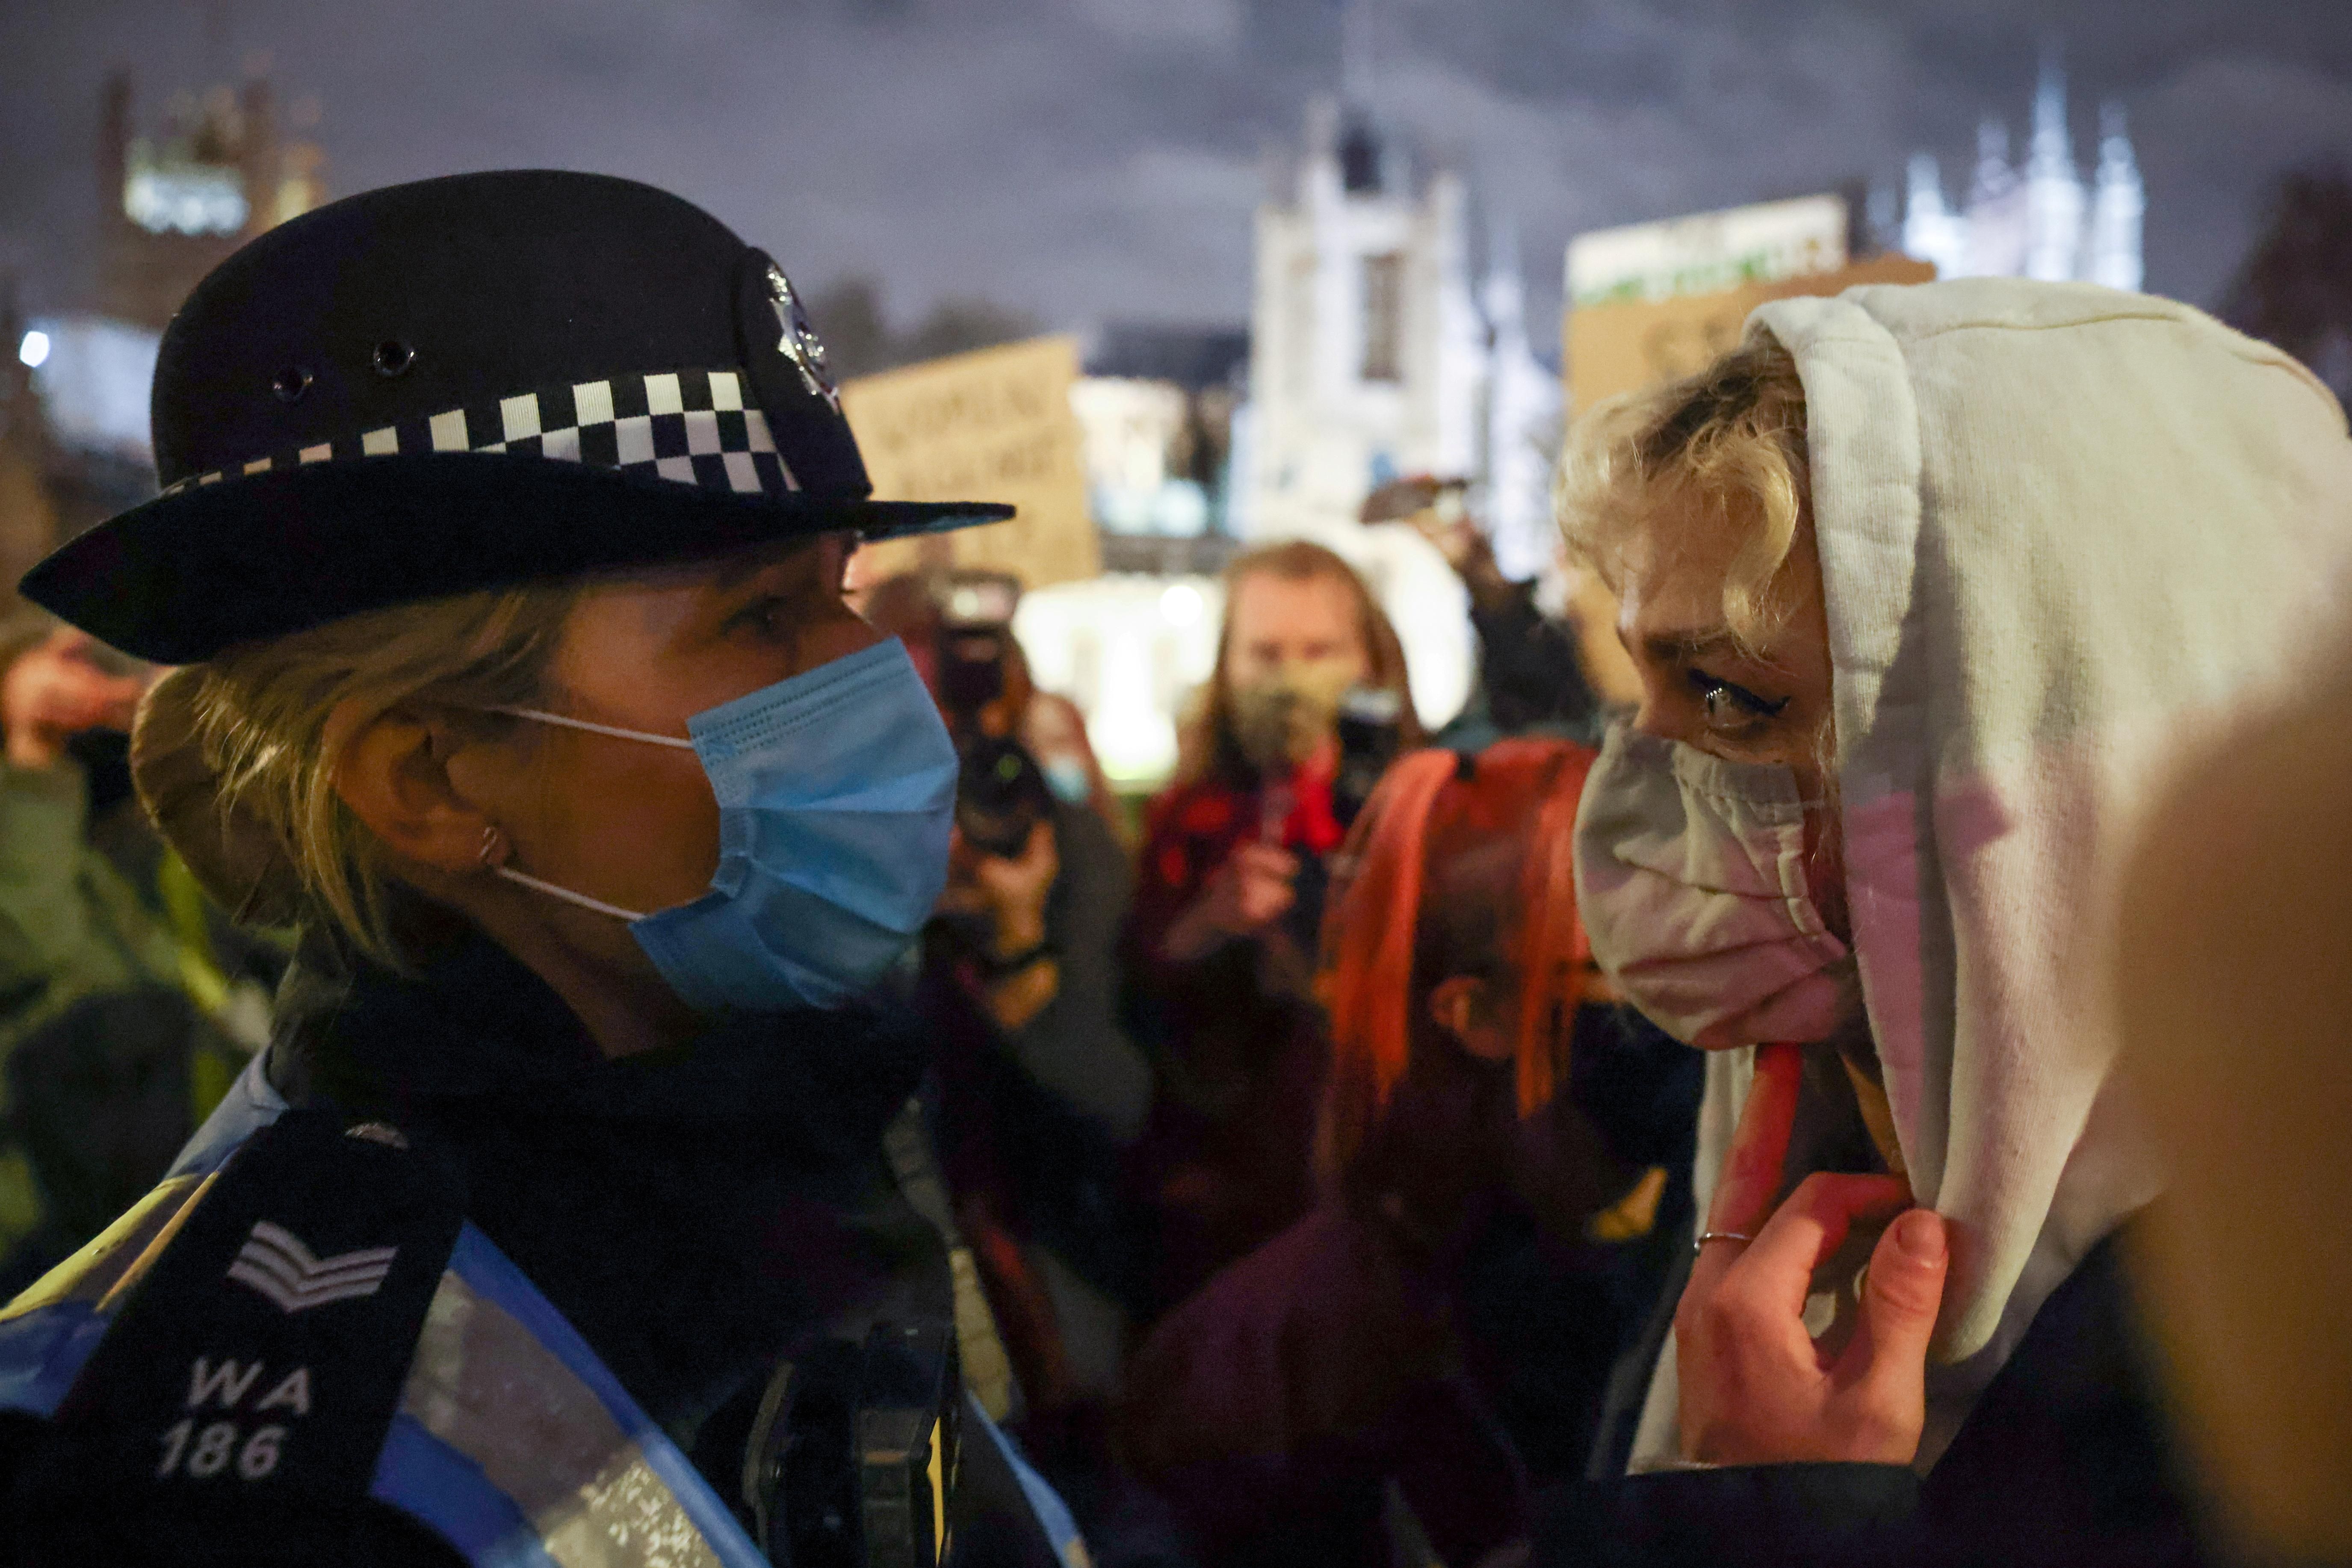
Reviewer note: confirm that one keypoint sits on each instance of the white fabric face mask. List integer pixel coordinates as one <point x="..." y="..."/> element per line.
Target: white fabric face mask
<point x="1690" y="878"/>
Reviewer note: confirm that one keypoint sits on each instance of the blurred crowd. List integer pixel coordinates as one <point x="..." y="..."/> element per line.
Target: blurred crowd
<point x="1319" y="1142"/>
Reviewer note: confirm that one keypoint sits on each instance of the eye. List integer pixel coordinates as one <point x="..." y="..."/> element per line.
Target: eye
<point x="769" y="615"/>
<point x="1729" y="705"/>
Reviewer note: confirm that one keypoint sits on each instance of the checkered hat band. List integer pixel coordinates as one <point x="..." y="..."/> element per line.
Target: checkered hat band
<point x="690" y="425"/>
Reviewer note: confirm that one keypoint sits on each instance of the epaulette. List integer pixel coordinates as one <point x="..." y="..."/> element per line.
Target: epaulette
<point x="309" y="1347"/>
<point x="247" y="1353"/>
<point x="305" y="1354"/>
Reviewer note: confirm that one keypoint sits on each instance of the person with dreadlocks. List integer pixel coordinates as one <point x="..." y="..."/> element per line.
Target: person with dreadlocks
<point x="1403" y="1362"/>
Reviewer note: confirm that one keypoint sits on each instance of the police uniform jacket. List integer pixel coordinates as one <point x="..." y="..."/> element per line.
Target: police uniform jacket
<point x="594" y="1311"/>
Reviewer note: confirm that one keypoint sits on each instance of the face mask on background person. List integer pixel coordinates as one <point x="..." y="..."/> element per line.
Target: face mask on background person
<point x="1690" y="876"/>
<point x="1068" y="777"/>
<point x="1280" y="720"/>
<point x="836" y="791"/>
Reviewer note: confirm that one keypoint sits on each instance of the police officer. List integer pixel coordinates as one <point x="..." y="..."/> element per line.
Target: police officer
<point x="501" y="545"/>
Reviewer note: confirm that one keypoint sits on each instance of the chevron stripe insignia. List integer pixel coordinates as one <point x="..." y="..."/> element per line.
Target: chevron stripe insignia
<point x="275" y="1263"/>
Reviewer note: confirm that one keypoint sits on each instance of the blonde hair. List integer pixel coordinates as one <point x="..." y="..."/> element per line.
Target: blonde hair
<point x="1210" y="745"/>
<point x="1724" y="447"/>
<point x="237" y="760"/>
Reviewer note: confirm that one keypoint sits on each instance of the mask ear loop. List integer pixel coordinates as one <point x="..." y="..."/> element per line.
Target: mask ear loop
<point x="493" y="864"/>
<point x="612" y="730"/>
<point x="491" y="835"/>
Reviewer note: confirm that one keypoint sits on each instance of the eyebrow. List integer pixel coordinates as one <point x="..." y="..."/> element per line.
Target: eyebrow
<point x="740" y="569"/>
<point x="1689" y="643"/>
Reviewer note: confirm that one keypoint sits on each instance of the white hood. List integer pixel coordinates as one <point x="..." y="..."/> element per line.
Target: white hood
<point x="2063" y="530"/>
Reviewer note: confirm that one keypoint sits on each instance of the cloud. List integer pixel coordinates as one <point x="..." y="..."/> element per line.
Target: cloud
<point x="1082" y="160"/>
<point x="2211" y="139"/>
<point x="1213" y="23"/>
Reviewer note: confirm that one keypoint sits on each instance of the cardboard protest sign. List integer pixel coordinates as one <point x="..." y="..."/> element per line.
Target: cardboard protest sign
<point x="1706" y="253"/>
<point x="1625" y="345"/>
<point x="991" y="426"/>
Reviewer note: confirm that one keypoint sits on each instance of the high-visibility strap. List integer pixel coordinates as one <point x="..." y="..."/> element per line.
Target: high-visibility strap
<point x="517" y="1445"/>
<point x="987" y="1369"/>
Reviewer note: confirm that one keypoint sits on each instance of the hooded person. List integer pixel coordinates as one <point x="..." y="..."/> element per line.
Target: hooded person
<point x="574" y="1210"/>
<point x="1927" y="587"/>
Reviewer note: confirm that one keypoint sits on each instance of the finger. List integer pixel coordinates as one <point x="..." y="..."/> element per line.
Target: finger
<point x="90" y="684"/>
<point x="75" y="707"/>
<point x="1901" y="1297"/>
<point x="1267" y="897"/>
<point x="1271" y="858"/>
<point x="1814" y="1223"/>
<point x="1265" y="902"/>
<point x="115" y="704"/>
<point x="1752" y="1166"/>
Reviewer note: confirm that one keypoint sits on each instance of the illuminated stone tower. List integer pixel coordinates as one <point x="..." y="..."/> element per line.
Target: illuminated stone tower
<point x="1932" y="231"/>
<point x="1367" y="356"/>
<point x="2040" y="221"/>
<point x="174" y="205"/>
<point x="2112" y="251"/>
<point x="2054" y="186"/>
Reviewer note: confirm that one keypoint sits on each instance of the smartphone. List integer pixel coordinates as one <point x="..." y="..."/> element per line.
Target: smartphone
<point x="1370" y="732"/>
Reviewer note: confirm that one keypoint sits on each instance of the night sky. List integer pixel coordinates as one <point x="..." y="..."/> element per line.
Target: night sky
<point x="1093" y="160"/>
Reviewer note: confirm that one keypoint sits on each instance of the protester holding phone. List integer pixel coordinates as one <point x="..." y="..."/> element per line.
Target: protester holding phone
<point x="1220" y="949"/>
<point x="1040" y="1090"/>
<point x="1925" y="587"/>
<point x="1531" y="675"/>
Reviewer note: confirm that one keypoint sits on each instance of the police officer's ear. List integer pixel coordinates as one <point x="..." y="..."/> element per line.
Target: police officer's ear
<point x="392" y="768"/>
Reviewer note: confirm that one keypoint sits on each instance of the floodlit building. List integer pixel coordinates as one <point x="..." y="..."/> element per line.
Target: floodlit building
<point x="1157" y="407"/>
<point x="1375" y="352"/>
<point x="1519" y="422"/>
<point x="174" y="203"/>
<point x="1129" y="648"/>
<point x="2039" y="219"/>
<point x="1367" y="354"/>
<point x="2118" y="206"/>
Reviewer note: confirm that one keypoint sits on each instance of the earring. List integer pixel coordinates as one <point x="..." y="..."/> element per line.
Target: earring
<point x="493" y="849"/>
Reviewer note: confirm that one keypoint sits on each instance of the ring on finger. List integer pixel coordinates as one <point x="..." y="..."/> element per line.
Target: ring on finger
<point x="1707" y="1236"/>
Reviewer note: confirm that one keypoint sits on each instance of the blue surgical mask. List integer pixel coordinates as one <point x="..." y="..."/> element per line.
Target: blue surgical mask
<point x="1068" y="777"/>
<point x="836" y="790"/>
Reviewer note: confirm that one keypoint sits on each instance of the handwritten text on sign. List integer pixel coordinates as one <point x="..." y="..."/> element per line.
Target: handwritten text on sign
<point x="991" y="426"/>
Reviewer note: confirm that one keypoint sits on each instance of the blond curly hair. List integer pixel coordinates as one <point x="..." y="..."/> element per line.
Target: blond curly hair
<point x="1723" y="448"/>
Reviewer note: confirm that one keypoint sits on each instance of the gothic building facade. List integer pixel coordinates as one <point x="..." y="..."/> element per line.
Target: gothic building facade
<point x="2038" y="218"/>
<point x="1376" y="353"/>
<point x="174" y="204"/>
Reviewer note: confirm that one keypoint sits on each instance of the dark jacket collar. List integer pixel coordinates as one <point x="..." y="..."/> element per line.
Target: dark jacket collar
<point x="469" y="1022"/>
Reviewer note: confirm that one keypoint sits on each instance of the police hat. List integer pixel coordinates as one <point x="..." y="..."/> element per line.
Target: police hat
<point x="468" y="383"/>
